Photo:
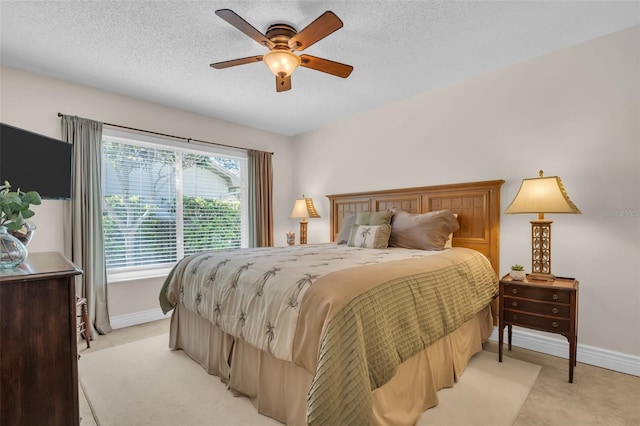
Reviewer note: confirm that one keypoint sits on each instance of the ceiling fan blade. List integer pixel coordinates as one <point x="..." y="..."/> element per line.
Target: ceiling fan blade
<point x="325" y="65"/>
<point x="234" y="62"/>
<point x="234" y="19"/>
<point x="324" y="25"/>
<point x="283" y="84"/>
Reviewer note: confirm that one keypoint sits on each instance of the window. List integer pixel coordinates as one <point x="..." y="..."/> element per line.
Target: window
<point x="164" y="200"/>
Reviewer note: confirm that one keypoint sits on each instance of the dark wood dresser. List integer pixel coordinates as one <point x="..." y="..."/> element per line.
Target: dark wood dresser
<point x="550" y="306"/>
<point x="38" y="342"/>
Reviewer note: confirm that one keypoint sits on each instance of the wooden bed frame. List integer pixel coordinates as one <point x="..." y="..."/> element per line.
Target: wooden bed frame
<point x="476" y="203"/>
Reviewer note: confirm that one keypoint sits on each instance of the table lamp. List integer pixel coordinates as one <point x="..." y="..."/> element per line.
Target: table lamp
<point x="302" y="209"/>
<point x="544" y="194"/>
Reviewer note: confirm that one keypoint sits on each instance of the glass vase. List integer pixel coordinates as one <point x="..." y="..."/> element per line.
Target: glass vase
<point x="25" y="233"/>
<point x="12" y="251"/>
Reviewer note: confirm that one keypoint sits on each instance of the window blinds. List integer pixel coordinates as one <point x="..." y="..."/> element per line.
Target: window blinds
<point x="164" y="201"/>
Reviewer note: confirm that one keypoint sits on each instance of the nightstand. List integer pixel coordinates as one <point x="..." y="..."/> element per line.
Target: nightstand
<point x="550" y="306"/>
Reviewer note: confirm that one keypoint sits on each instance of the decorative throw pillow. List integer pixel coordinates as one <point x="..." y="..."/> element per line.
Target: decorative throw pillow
<point x="345" y="229"/>
<point x="369" y="236"/>
<point x="374" y="218"/>
<point x="426" y="231"/>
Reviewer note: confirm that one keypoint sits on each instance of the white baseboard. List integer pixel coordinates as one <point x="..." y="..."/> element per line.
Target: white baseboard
<point x="591" y="355"/>
<point x="135" y="318"/>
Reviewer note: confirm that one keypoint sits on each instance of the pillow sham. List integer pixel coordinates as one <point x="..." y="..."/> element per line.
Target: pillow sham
<point x="369" y="236"/>
<point x="345" y="229"/>
<point x="374" y="218"/>
<point x="426" y="231"/>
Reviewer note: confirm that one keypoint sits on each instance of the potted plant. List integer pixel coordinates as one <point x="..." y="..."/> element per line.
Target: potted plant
<point x="517" y="273"/>
<point x="14" y="210"/>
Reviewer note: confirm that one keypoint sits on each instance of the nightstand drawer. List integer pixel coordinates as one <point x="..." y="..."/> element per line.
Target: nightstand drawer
<point x="557" y="310"/>
<point x="537" y="293"/>
<point x="555" y="325"/>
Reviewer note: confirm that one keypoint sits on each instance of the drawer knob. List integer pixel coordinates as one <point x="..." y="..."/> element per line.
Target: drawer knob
<point x="515" y="317"/>
<point x="514" y="303"/>
<point x="514" y="291"/>
<point x="554" y="324"/>
<point x="554" y="310"/>
<point x="555" y="296"/>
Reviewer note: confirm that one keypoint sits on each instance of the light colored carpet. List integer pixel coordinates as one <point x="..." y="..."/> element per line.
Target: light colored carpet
<point x="145" y="383"/>
<point x="488" y="393"/>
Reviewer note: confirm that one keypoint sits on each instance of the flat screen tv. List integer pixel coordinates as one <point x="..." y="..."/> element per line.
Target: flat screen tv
<point x="34" y="162"/>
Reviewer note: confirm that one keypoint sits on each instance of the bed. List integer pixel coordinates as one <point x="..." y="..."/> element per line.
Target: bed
<point x="337" y="333"/>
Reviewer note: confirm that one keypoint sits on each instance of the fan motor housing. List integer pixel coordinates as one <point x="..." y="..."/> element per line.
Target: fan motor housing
<point x="280" y="35"/>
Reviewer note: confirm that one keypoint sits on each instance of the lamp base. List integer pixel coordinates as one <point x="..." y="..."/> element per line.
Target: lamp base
<point x="541" y="276"/>
<point x="541" y="250"/>
<point x="303" y="231"/>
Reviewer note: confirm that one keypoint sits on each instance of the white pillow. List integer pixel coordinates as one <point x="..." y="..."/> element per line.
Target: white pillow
<point x="449" y="242"/>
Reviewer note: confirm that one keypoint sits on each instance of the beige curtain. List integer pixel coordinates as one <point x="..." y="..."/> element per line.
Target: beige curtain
<point x="83" y="237"/>
<point x="260" y="199"/>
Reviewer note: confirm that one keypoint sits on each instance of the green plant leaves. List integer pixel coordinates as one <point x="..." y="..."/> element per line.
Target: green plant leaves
<point x="14" y="206"/>
<point x="26" y="214"/>
<point x="32" y="197"/>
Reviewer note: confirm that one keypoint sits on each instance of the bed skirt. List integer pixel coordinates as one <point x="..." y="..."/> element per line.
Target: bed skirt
<point x="278" y="389"/>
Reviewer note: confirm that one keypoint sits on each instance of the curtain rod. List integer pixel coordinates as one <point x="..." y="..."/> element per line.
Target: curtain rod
<point x="171" y="136"/>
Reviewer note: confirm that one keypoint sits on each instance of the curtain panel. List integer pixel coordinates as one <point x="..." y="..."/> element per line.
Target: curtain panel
<point x="83" y="235"/>
<point x="260" y="198"/>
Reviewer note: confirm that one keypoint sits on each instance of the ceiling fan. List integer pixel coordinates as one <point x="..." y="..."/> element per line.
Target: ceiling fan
<point x="282" y="40"/>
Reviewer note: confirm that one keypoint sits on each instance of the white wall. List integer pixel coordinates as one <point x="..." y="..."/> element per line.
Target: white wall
<point x="32" y="102"/>
<point x="573" y="113"/>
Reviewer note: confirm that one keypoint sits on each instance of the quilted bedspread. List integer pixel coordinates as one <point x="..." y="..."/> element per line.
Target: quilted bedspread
<point x="348" y="315"/>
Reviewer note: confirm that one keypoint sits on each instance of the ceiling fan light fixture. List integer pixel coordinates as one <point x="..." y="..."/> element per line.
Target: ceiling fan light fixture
<point x="283" y="40"/>
<point x="282" y="63"/>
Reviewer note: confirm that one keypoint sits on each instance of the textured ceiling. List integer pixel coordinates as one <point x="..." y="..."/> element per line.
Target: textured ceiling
<point x="160" y="51"/>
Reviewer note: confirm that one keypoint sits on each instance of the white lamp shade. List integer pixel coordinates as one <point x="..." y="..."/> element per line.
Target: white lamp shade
<point x="303" y="208"/>
<point x="542" y="195"/>
<point x="282" y="63"/>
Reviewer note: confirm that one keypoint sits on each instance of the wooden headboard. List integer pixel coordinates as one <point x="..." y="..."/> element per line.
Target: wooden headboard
<point x="476" y="203"/>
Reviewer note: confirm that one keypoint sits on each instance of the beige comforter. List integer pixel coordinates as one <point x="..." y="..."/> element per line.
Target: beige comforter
<point x="348" y="326"/>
